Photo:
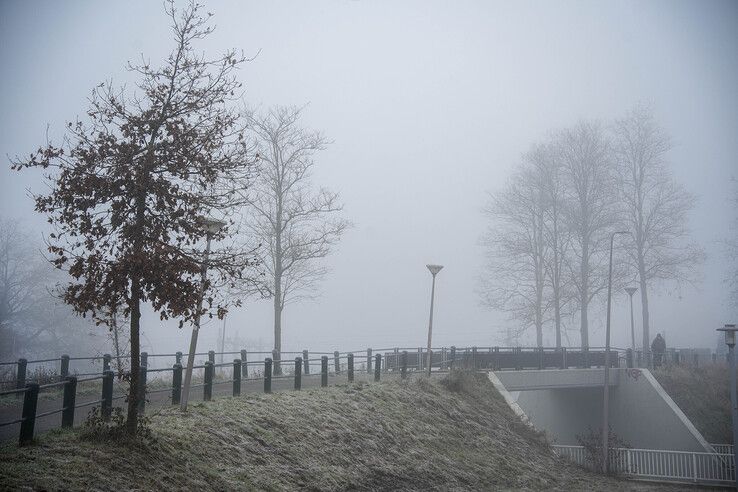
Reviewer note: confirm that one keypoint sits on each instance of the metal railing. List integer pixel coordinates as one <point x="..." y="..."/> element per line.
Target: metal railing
<point x="662" y="465"/>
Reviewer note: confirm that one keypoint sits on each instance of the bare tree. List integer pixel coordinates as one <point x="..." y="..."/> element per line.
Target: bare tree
<point x="296" y="224"/>
<point x="655" y="208"/>
<point x="546" y="170"/>
<point x="516" y="252"/>
<point x="587" y="171"/>
<point x="129" y="187"/>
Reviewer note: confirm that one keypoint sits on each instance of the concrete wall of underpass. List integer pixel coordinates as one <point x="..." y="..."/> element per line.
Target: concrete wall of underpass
<point x="641" y="412"/>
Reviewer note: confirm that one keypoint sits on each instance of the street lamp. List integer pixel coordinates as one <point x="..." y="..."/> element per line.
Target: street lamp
<point x="606" y="392"/>
<point x="729" y="331"/>
<point x="631" y="291"/>
<point x="434" y="269"/>
<point x="211" y="227"/>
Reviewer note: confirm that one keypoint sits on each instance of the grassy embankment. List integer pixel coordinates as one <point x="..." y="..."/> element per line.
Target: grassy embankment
<point x="455" y="434"/>
<point x="703" y="394"/>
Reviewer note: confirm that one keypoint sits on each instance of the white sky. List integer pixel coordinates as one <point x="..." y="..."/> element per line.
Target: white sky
<point x="430" y="105"/>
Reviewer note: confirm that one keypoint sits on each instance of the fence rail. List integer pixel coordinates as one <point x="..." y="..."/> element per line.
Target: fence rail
<point x="662" y="465"/>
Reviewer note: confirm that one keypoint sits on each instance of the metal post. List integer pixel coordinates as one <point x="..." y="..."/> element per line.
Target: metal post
<point x="267" y="375"/>
<point x="434" y="269"/>
<point x="30" y="401"/>
<point x="734" y="405"/>
<point x="64" y="370"/>
<point x="276" y="365"/>
<point x="337" y="362"/>
<point x="211" y="356"/>
<point x="350" y="368"/>
<point x="420" y="359"/>
<point x="377" y="366"/>
<point x="474" y="358"/>
<point x="207" y="391"/>
<point x="368" y="361"/>
<point x="106" y="362"/>
<point x="306" y="362"/>
<point x="142" y="389"/>
<point x="324" y="371"/>
<point x="177" y="384"/>
<point x="244" y="364"/>
<point x="236" y="377"/>
<point x="403" y="364"/>
<point x="68" y="402"/>
<point x="20" y="375"/>
<point x="540" y="357"/>
<point x="298" y="373"/>
<point x="144" y="359"/>
<point x="629" y="358"/>
<point x="178" y="358"/>
<point x="453" y="357"/>
<point x="106" y="406"/>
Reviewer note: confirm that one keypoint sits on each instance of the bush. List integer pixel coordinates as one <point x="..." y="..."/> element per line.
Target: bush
<point x="98" y="429"/>
<point x="591" y="441"/>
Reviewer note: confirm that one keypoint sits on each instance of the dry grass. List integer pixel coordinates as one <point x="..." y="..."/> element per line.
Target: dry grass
<point x="703" y="394"/>
<point x="414" y="435"/>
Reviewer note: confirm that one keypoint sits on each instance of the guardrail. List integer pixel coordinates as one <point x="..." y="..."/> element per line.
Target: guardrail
<point x="662" y="465"/>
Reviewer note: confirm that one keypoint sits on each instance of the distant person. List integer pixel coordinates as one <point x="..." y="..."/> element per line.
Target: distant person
<point x="658" y="347"/>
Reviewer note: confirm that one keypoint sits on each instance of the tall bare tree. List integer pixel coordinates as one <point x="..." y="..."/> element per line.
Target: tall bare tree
<point x="587" y="171"/>
<point x="655" y="208"/>
<point x="546" y="170"/>
<point x="296" y="224"/>
<point x="516" y="252"/>
<point x="129" y="188"/>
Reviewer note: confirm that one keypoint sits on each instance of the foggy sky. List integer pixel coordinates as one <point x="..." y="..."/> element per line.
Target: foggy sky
<point x="430" y="105"/>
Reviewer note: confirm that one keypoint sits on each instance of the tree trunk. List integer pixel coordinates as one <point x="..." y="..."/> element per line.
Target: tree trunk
<point x="135" y="306"/>
<point x="644" y="307"/>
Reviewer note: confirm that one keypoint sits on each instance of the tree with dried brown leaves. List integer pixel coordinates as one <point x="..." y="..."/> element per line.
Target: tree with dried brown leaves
<point x="130" y="185"/>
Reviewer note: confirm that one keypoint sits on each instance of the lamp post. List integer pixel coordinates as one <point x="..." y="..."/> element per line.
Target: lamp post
<point x="631" y="291"/>
<point x="211" y="227"/>
<point x="434" y="269"/>
<point x="729" y="331"/>
<point x="606" y="386"/>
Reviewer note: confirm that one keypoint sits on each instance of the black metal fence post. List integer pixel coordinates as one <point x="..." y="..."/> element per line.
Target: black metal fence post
<point x="337" y="362"/>
<point x="236" y="377"/>
<point x="452" y="357"/>
<point x="177" y="383"/>
<point x="30" y="401"/>
<point x="106" y="405"/>
<point x="20" y="375"/>
<point x="298" y="373"/>
<point x="403" y="364"/>
<point x="377" y="366"/>
<point x="629" y="358"/>
<point x="267" y="375"/>
<point x="144" y="359"/>
<point x="350" y="368"/>
<point x="211" y="356"/>
<point x="106" y="362"/>
<point x="419" y="366"/>
<point x="564" y="361"/>
<point x="306" y="362"/>
<point x="324" y="371"/>
<point x="68" y="402"/>
<point x="496" y="361"/>
<point x="244" y="364"/>
<point x="178" y="357"/>
<point x="368" y="361"/>
<point x="207" y="392"/>
<point x="142" y="389"/>
<point x="474" y="358"/>
<point x="276" y="364"/>
<point x="64" y="369"/>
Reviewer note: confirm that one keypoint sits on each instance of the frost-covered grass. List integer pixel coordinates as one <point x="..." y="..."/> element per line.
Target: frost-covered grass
<point x="703" y="394"/>
<point x="415" y="435"/>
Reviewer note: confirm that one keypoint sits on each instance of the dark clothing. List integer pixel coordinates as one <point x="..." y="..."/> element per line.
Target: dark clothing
<point x="658" y="347"/>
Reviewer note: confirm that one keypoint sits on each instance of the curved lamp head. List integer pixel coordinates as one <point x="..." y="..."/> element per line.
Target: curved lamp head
<point x="631" y="290"/>
<point x="434" y="269"/>
<point x="729" y="331"/>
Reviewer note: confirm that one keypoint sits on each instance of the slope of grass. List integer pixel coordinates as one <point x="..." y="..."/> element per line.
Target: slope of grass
<point x="703" y="394"/>
<point x="456" y="434"/>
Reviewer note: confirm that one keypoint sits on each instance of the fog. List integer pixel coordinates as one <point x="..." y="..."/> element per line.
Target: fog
<point x="429" y="106"/>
